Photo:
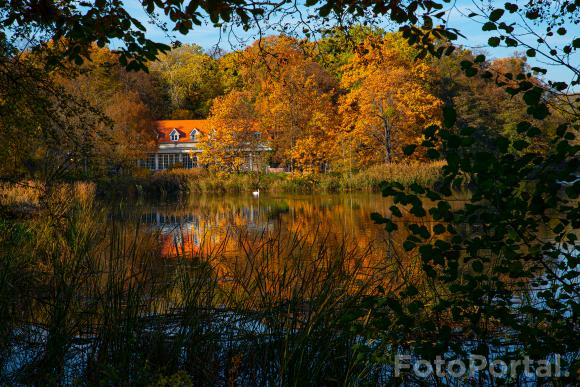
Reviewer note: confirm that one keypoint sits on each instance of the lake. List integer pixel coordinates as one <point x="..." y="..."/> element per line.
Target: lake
<point x="208" y="219"/>
<point x="219" y="290"/>
<point x="234" y="229"/>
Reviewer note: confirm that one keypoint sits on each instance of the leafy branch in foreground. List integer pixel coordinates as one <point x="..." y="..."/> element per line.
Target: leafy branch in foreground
<point x="503" y="270"/>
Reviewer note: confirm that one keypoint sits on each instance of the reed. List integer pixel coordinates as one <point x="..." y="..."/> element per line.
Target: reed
<point x="91" y="296"/>
<point x="201" y="181"/>
<point x="88" y="297"/>
<point x="33" y="192"/>
<point x="25" y="192"/>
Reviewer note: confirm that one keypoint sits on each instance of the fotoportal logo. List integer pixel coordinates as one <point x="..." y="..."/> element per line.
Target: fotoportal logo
<point x="476" y="364"/>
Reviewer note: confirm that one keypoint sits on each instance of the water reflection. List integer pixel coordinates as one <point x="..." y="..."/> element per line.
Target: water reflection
<point x="209" y="219"/>
<point x="269" y="308"/>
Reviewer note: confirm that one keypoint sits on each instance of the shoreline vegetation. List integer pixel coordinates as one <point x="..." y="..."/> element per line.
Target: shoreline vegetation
<point x="93" y="299"/>
<point x="23" y="199"/>
<point x="90" y="297"/>
<point x="200" y="181"/>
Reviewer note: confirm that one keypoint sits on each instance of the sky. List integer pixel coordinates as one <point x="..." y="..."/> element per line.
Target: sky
<point x="209" y="37"/>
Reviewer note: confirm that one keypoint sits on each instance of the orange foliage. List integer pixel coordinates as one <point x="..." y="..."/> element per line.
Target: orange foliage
<point x="234" y="136"/>
<point x="293" y="101"/>
<point x="388" y="101"/>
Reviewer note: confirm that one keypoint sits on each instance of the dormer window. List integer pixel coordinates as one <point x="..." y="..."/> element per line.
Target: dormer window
<point x="174" y="135"/>
<point x="193" y="135"/>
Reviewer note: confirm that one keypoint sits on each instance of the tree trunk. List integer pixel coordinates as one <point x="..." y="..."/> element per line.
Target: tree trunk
<point x="388" y="143"/>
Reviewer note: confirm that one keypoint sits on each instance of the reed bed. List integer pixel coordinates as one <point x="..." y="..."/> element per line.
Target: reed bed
<point x="26" y="192"/>
<point x="88" y="297"/>
<point x="33" y="192"/>
<point x="201" y="181"/>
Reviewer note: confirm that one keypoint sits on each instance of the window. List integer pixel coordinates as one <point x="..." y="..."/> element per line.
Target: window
<point x="174" y="135"/>
<point x="167" y="160"/>
<point x="193" y="135"/>
<point x="189" y="161"/>
<point x="150" y="163"/>
<point x="163" y="161"/>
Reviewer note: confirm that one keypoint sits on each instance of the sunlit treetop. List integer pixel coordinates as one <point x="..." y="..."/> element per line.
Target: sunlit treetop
<point x="541" y="29"/>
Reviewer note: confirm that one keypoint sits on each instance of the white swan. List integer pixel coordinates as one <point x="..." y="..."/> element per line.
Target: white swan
<point x="256" y="193"/>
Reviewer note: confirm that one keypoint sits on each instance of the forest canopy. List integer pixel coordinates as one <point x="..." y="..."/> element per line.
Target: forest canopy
<point x="330" y="90"/>
<point x="344" y="102"/>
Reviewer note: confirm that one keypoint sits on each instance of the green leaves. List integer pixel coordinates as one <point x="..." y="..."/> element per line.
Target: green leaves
<point x="324" y="11"/>
<point x="493" y="41"/>
<point x="496" y="14"/>
<point x="433" y="154"/>
<point x="449" y="116"/>
<point x="409" y="149"/>
<point x="489" y="26"/>
<point x="539" y="111"/>
<point x="468" y="68"/>
<point x="479" y="59"/>
<point x="379" y="219"/>
<point x="439" y="229"/>
<point x="409" y="245"/>
<point x="419" y="230"/>
<point x="511" y="42"/>
<point x="533" y="96"/>
<point x="511" y="7"/>
<point x="395" y="211"/>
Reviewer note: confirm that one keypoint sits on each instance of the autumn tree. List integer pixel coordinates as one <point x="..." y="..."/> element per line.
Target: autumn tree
<point x="234" y="143"/>
<point x="42" y="126"/>
<point x="294" y="102"/>
<point x="191" y="80"/>
<point x="337" y="46"/>
<point x="483" y="104"/>
<point x="387" y="100"/>
<point x="124" y="132"/>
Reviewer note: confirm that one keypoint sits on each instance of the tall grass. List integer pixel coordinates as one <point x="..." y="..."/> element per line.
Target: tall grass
<point x="26" y="192"/>
<point x="33" y="192"/>
<point x="87" y="297"/>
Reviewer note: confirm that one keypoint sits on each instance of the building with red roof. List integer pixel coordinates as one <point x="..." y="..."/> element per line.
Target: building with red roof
<point x="178" y="145"/>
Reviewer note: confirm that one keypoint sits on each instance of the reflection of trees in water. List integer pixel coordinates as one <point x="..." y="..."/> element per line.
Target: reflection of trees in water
<point x="302" y="228"/>
<point x="337" y="215"/>
<point x="268" y="293"/>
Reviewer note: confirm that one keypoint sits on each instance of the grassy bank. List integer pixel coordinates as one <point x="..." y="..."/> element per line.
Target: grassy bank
<point x="26" y="198"/>
<point x="180" y="181"/>
<point x="27" y="195"/>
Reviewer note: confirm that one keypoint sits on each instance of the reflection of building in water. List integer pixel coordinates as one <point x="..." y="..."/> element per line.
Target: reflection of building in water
<point x="289" y="238"/>
<point x="179" y="234"/>
<point x="184" y="234"/>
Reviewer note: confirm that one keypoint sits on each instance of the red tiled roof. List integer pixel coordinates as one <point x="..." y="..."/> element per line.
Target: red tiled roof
<point x="183" y="127"/>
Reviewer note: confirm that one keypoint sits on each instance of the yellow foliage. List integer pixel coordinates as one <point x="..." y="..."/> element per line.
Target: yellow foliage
<point x="388" y="102"/>
<point x="234" y="138"/>
<point x="293" y="101"/>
